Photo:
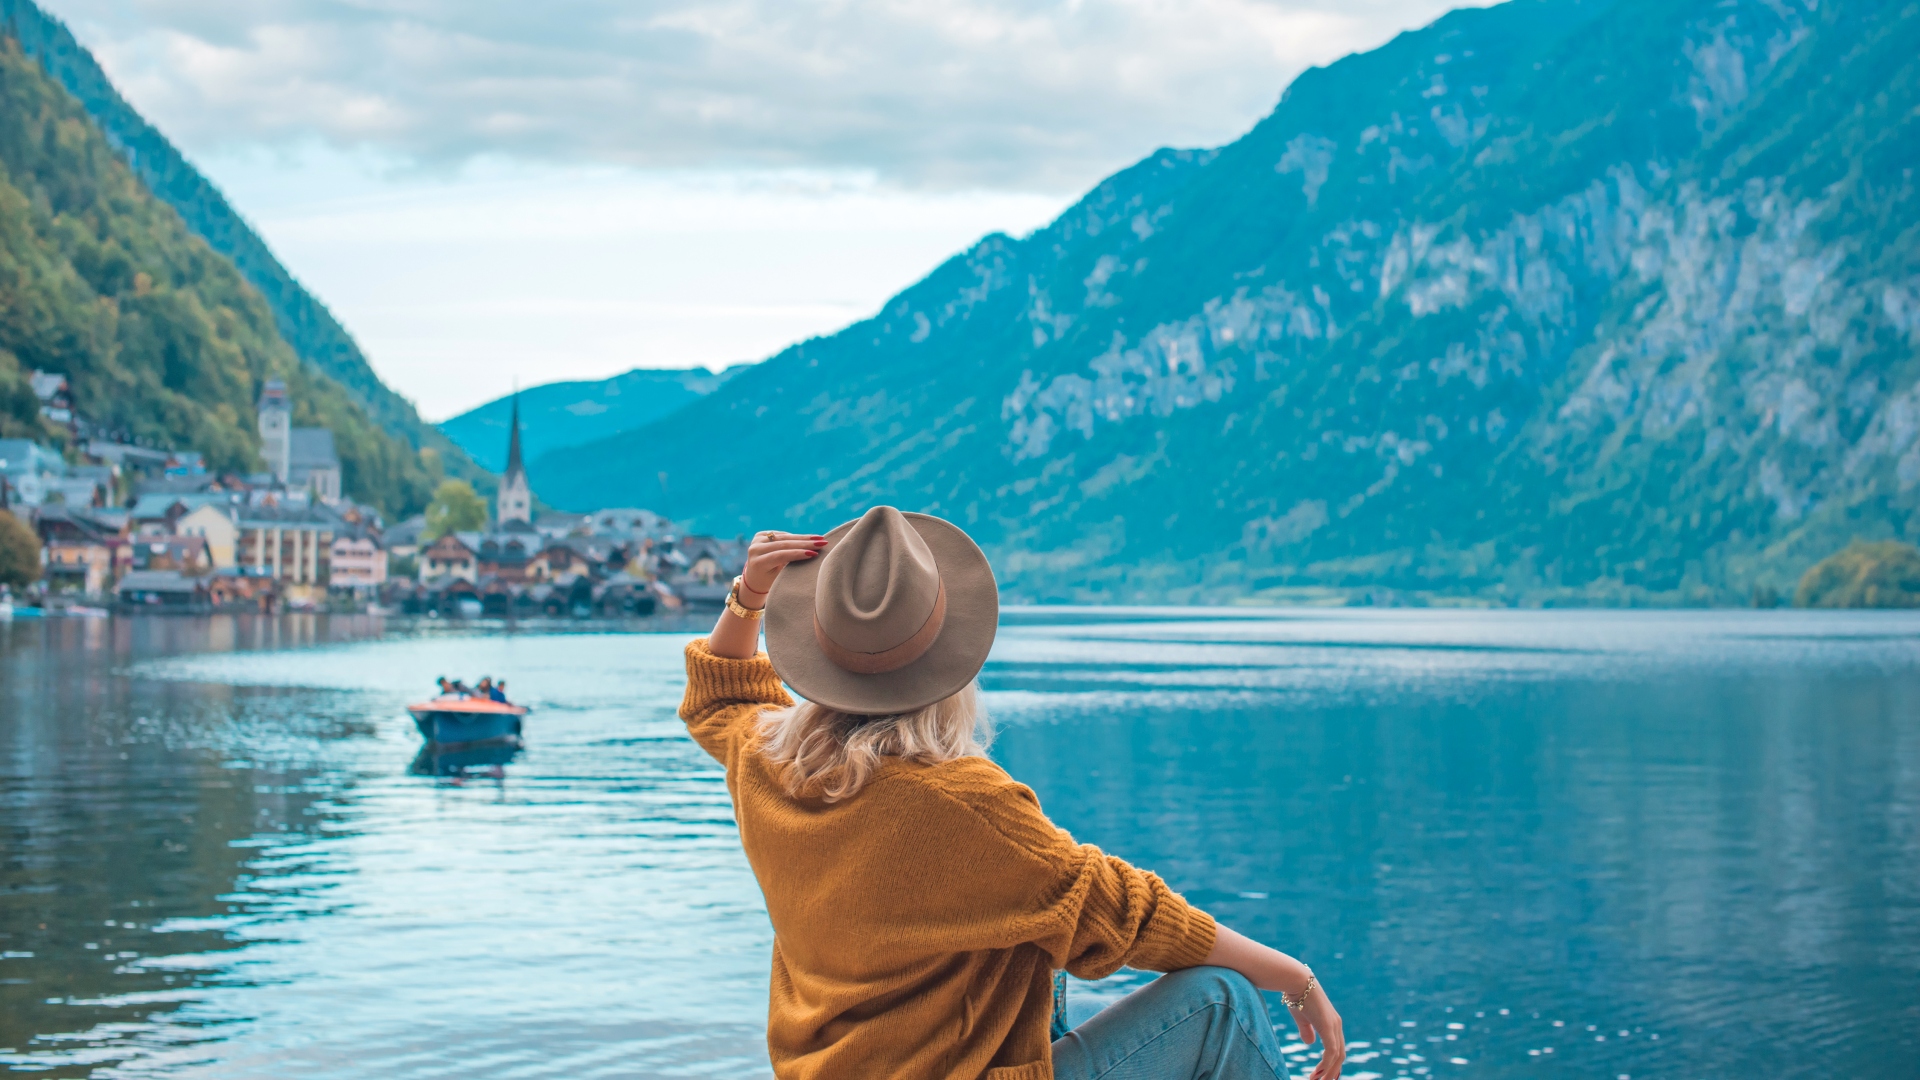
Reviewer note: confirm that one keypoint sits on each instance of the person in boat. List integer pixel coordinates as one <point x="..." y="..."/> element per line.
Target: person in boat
<point x="485" y="690"/>
<point x="921" y="900"/>
<point x="446" y="687"/>
<point x="500" y="692"/>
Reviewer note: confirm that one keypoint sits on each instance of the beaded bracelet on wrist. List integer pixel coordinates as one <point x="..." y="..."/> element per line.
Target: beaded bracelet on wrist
<point x="1296" y="1002"/>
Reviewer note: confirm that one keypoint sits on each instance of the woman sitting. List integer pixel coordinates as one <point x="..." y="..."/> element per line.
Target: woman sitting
<point x="920" y="899"/>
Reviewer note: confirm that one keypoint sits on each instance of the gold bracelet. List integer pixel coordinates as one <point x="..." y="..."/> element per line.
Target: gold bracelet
<point x="1296" y="1002"/>
<point x="734" y="605"/>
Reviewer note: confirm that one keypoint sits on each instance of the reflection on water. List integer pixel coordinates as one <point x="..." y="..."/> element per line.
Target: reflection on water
<point x="464" y="762"/>
<point x="1515" y="844"/>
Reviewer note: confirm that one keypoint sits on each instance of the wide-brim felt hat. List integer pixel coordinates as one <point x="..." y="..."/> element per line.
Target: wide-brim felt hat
<point x="898" y="612"/>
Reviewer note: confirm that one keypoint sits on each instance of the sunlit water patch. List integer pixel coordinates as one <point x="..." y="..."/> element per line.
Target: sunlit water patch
<point x="1513" y="844"/>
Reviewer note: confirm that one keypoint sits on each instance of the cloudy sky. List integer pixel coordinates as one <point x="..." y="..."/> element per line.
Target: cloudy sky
<point x="487" y="191"/>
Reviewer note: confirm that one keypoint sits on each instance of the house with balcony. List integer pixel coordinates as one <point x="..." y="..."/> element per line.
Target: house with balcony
<point x="357" y="563"/>
<point x="291" y="543"/>
<point x="451" y="558"/>
<point x="84" y="553"/>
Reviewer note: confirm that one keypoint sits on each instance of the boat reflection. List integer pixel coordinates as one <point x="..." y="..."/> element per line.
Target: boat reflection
<point x="457" y="763"/>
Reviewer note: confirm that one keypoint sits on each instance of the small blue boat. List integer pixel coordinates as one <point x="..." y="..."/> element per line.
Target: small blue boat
<point x="453" y="720"/>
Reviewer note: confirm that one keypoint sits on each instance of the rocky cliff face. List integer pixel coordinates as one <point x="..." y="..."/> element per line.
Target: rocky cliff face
<point x="1560" y="299"/>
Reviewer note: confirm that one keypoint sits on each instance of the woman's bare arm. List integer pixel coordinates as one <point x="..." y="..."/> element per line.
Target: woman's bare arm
<point x="1271" y="969"/>
<point x="736" y="638"/>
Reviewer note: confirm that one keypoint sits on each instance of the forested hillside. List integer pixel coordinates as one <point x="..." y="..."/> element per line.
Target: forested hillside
<point x="159" y="335"/>
<point x="305" y="323"/>
<point x="1555" y="301"/>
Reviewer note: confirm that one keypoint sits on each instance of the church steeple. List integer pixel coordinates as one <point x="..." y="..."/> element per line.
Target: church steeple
<point x="515" y="501"/>
<point x="513" y="441"/>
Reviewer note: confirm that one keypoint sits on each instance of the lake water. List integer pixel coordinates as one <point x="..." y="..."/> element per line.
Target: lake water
<point x="1512" y="844"/>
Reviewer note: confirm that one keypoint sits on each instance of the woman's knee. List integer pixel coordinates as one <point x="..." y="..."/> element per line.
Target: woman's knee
<point x="1217" y="984"/>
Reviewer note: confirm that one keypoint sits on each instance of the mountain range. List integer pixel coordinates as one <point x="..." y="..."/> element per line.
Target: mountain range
<point x="1557" y="301"/>
<point x="563" y="414"/>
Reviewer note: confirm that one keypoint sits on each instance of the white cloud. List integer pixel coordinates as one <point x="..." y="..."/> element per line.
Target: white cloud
<point x="1025" y="94"/>
<point x="491" y="190"/>
<point x="458" y="285"/>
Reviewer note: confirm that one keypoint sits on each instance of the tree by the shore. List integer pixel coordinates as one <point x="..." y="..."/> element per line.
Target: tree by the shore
<point x="19" y="552"/>
<point x="1882" y="574"/>
<point x="455" y="508"/>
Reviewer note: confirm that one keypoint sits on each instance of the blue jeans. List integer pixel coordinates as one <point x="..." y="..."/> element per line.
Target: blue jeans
<point x="1204" y="1023"/>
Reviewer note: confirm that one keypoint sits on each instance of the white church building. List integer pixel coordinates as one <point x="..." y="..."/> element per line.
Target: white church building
<point x="514" y="503"/>
<point x="301" y="458"/>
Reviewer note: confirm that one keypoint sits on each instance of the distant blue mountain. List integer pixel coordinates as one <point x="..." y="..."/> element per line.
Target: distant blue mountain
<point x="566" y="414"/>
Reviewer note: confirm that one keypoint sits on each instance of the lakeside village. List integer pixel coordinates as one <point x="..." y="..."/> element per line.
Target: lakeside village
<point x="138" y="529"/>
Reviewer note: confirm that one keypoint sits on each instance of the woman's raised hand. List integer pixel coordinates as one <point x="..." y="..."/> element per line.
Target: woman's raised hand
<point x="735" y="637"/>
<point x="767" y="555"/>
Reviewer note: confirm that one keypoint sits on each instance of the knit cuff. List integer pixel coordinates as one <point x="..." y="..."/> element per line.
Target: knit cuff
<point x="1178" y="935"/>
<point x="713" y="679"/>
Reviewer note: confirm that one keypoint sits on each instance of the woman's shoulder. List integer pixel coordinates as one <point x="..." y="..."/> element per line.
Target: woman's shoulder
<point x="980" y="787"/>
<point x="972" y="773"/>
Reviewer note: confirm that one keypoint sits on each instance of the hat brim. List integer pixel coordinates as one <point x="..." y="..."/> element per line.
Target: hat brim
<point x="948" y="665"/>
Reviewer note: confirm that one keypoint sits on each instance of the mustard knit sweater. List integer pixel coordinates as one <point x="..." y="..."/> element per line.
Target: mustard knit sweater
<point x="916" y="925"/>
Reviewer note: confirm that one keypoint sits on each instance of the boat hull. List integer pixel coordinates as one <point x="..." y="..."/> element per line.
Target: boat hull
<point x="456" y="721"/>
<point x="448" y="728"/>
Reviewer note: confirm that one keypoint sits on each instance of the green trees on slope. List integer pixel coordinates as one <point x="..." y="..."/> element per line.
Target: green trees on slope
<point x="1885" y="574"/>
<point x="19" y="552"/>
<point x="304" y="323"/>
<point x="159" y="335"/>
<point x="455" y="508"/>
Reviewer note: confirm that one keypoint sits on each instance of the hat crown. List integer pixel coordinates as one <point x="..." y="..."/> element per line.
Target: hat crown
<point x="878" y="584"/>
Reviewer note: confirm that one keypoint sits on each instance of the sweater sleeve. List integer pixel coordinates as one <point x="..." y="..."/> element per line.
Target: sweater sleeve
<point x="1091" y="912"/>
<point x="1130" y="918"/>
<point x="724" y="696"/>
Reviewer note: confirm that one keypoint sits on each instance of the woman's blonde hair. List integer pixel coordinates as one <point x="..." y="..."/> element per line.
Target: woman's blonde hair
<point x="823" y="751"/>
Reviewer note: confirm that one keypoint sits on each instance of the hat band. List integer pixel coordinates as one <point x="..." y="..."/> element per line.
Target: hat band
<point x="879" y="663"/>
